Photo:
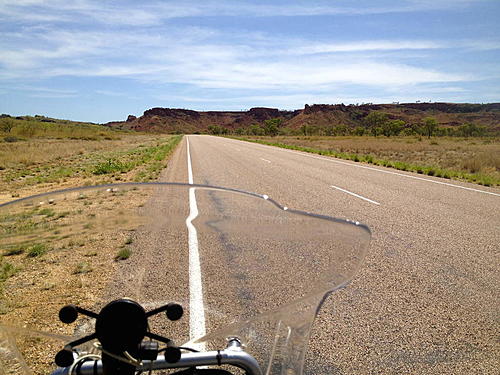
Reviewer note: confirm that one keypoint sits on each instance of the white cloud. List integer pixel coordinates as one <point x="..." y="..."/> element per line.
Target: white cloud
<point x="369" y="45"/>
<point x="97" y="45"/>
<point x="313" y="73"/>
<point x="155" y="12"/>
<point x="198" y="57"/>
<point x="44" y="92"/>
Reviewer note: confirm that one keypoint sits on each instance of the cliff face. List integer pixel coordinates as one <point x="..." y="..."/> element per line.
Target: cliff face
<point x="173" y="120"/>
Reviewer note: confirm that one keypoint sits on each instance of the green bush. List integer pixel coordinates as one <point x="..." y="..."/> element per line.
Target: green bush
<point x="36" y="250"/>
<point x="110" y="166"/>
<point x="123" y="254"/>
<point x="369" y="159"/>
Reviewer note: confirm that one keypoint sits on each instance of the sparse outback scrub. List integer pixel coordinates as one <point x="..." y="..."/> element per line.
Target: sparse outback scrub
<point x="56" y="155"/>
<point x="470" y="159"/>
<point x="70" y="266"/>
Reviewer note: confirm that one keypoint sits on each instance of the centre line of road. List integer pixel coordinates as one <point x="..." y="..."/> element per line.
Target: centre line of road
<point x="333" y="160"/>
<point x="355" y="195"/>
<point x="196" y="309"/>
<point x="267" y="161"/>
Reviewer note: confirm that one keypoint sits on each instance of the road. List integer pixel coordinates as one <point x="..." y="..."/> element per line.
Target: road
<point x="427" y="297"/>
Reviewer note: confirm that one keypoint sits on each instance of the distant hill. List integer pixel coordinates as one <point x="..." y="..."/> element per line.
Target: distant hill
<point x="14" y="128"/>
<point x="171" y="120"/>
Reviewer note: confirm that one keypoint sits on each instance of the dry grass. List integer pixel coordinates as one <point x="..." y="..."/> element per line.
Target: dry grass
<point x="72" y="263"/>
<point x="28" y="127"/>
<point x="74" y="267"/>
<point x="479" y="156"/>
<point x="38" y="164"/>
<point x="42" y="151"/>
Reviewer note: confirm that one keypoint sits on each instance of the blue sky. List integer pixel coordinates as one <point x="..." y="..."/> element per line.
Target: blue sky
<point x="102" y="60"/>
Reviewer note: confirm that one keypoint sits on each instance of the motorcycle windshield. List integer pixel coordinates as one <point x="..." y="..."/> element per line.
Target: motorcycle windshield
<point x="240" y="264"/>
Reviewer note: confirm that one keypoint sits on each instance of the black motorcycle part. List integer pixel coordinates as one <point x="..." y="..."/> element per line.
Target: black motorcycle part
<point x="148" y="350"/>
<point x="64" y="358"/>
<point x="68" y="314"/>
<point x="174" y="311"/>
<point x="121" y="326"/>
<point x="172" y="354"/>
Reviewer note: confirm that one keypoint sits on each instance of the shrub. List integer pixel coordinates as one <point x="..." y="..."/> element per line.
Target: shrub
<point x="36" y="250"/>
<point x="110" y="166"/>
<point x="6" y="271"/>
<point x="82" y="267"/>
<point x="123" y="254"/>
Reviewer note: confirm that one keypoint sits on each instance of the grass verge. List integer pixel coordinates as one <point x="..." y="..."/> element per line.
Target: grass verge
<point x="39" y="163"/>
<point x="430" y="170"/>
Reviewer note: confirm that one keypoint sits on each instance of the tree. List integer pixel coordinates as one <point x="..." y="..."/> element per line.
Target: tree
<point x="6" y="125"/>
<point x="271" y="126"/>
<point x="376" y="121"/>
<point x="359" y="130"/>
<point x="256" y="130"/>
<point x="340" y="130"/>
<point x="430" y="125"/>
<point x="216" y="129"/>
<point x="304" y="129"/>
<point x="376" y="131"/>
<point x="392" y="127"/>
<point x="472" y="130"/>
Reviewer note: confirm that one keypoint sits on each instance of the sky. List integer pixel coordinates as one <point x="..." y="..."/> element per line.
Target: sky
<point x="100" y="61"/>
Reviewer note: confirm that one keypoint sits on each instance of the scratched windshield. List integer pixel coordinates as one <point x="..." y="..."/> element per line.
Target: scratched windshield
<point x="240" y="264"/>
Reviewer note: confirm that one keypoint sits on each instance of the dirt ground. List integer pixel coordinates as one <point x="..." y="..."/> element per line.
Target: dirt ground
<point x="40" y="275"/>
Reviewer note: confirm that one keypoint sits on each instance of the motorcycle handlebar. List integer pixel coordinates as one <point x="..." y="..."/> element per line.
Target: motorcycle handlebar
<point x="238" y="358"/>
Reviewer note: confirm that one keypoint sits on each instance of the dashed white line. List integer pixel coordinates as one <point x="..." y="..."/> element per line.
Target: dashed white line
<point x="355" y="195"/>
<point x="196" y="309"/>
<point x="267" y="161"/>
<point x="378" y="170"/>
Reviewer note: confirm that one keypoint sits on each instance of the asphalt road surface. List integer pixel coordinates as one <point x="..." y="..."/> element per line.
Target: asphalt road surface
<point x="427" y="297"/>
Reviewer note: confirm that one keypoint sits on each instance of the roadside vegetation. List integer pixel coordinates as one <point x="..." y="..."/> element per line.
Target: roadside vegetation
<point x="15" y="129"/>
<point x="471" y="159"/>
<point x="469" y="152"/>
<point x="53" y="155"/>
<point x="64" y="250"/>
<point x="52" y="251"/>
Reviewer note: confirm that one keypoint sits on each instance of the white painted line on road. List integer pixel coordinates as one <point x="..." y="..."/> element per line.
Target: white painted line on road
<point x="267" y="161"/>
<point x="379" y="170"/>
<point x="356" y="195"/>
<point x="190" y="170"/>
<point x="196" y="309"/>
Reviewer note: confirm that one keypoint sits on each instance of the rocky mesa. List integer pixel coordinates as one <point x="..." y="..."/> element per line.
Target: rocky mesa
<point x="175" y="120"/>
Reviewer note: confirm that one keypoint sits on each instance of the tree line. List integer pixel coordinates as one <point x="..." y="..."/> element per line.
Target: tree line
<point x="374" y="124"/>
